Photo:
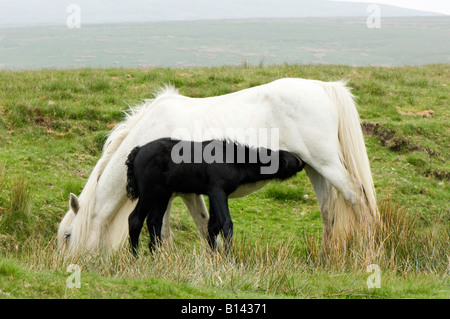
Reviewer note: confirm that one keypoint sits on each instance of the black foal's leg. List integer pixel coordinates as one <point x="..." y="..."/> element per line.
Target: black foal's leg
<point x="135" y="223"/>
<point x="220" y="219"/>
<point x="155" y="218"/>
<point x="213" y="228"/>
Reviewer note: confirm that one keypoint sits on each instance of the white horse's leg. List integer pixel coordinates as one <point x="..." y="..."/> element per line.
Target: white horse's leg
<point x="321" y="189"/>
<point x="197" y="208"/>
<point x="166" y="232"/>
<point x="340" y="208"/>
<point x="344" y="209"/>
<point x="335" y="173"/>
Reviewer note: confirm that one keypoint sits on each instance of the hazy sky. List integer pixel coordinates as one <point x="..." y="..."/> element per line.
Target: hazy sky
<point x="439" y="6"/>
<point x="14" y="13"/>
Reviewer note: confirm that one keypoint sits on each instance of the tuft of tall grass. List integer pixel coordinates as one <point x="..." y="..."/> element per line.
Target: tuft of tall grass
<point x="396" y="244"/>
<point x="255" y="266"/>
<point x="16" y="221"/>
<point x="268" y="265"/>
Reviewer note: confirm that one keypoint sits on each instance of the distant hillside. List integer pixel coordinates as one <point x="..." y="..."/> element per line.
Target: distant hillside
<point x="399" y="41"/>
<point x="54" y="12"/>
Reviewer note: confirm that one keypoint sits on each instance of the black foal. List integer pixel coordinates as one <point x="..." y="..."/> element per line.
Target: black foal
<point x="213" y="168"/>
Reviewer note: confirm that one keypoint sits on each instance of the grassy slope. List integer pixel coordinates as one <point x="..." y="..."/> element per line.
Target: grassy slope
<point x="53" y="124"/>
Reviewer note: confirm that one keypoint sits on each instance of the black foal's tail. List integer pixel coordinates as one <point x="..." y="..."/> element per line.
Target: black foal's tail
<point x="132" y="187"/>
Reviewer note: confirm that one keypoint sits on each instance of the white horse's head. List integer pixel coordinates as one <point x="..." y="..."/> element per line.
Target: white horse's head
<point x="79" y="231"/>
<point x="65" y="229"/>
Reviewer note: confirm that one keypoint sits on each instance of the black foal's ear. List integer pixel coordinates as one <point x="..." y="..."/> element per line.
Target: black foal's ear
<point x="74" y="203"/>
<point x="300" y="164"/>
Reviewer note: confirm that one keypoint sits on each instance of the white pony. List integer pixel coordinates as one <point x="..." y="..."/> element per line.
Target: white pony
<point x="317" y="121"/>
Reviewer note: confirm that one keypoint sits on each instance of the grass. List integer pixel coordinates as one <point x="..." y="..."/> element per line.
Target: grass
<point x="53" y="124"/>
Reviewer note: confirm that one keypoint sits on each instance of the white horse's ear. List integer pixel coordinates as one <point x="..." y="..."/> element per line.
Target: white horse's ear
<point x="74" y="203"/>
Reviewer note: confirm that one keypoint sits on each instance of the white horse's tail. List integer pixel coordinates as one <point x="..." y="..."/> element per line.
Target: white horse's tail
<point x="354" y="158"/>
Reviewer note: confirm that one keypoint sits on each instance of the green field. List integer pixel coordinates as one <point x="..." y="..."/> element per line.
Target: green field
<point x="52" y="127"/>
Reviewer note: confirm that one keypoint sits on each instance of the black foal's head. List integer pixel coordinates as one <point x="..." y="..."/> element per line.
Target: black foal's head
<point x="289" y="165"/>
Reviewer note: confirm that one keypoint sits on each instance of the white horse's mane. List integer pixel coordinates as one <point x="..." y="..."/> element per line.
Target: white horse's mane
<point x="132" y="117"/>
<point x="113" y="142"/>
